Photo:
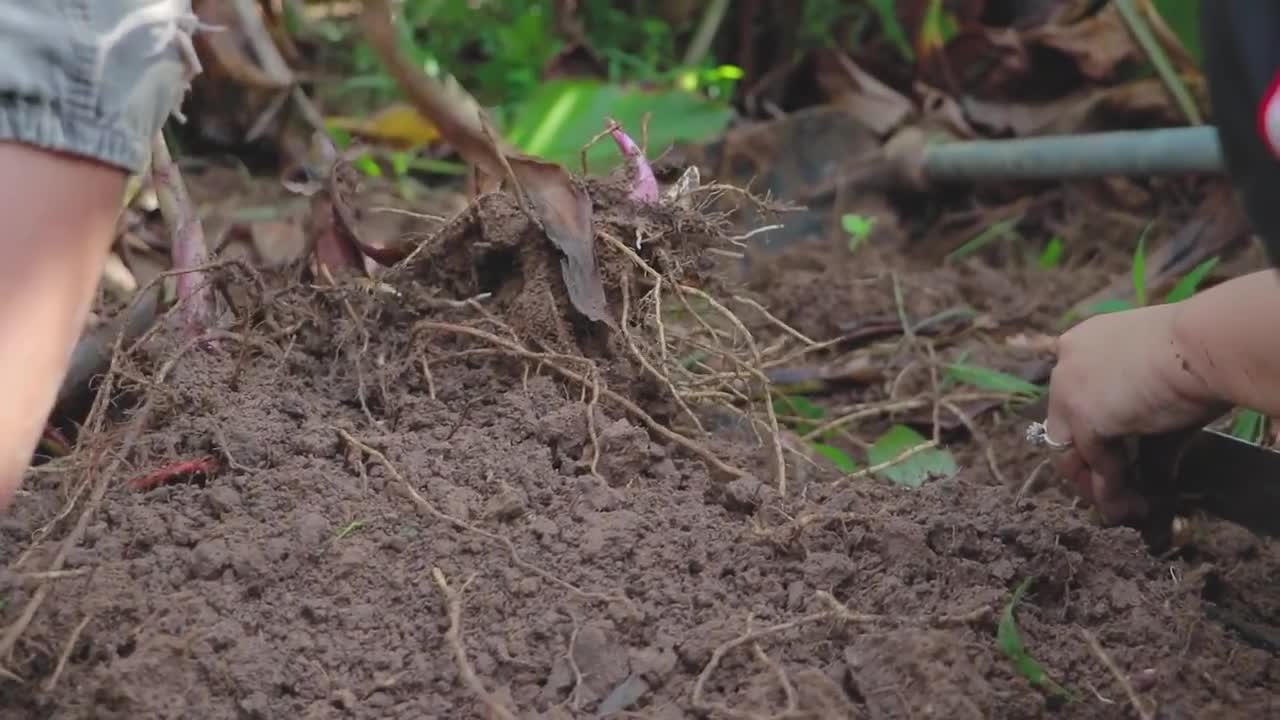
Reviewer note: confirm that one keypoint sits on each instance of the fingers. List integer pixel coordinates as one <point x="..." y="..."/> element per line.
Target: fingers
<point x="1096" y="468"/>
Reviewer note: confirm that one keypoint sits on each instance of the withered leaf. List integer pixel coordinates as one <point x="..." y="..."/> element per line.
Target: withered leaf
<point x="561" y="206"/>
<point x="565" y="211"/>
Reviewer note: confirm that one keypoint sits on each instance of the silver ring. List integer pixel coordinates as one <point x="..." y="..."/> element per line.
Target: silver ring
<point x="1038" y="434"/>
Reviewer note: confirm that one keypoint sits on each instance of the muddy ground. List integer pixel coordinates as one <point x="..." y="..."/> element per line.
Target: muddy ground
<point x="373" y="542"/>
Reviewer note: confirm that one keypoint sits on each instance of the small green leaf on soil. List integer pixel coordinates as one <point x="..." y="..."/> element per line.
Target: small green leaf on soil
<point x="1109" y="306"/>
<point x="858" y="227"/>
<point x="1010" y="643"/>
<point x="1140" y="269"/>
<point x="1051" y="256"/>
<point x="1190" y="283"/>
<point x="800" y="406"/>
<point x="995" y="231"/>
<point x="838" y="457"/>
<point x="1249" y="425"/>
<point x="915" y="470"/>
<point x="351" y="527"/>
<point x="993" y="380"/>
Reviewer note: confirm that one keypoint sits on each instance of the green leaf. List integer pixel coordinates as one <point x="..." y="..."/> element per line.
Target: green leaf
<point x="993" y="380"/>
<point x="838" y="457"/>
<point x="993" y="232"/>
<point x="1140" y="269"/>
<point x="1183" y="18"/>
<point x="1109" y="306"/>
<point x="1051" y="256"/>
<point x="858" y="227"/>
<point x="915" y="470"/>
<point x="562" y="115"/>
<point x="801" y="406"/>
<point x="1249" y="425"/>
<point x="887" y="12"/>
<point x="1190" y="283"/>
<point x="1010" y="643"/>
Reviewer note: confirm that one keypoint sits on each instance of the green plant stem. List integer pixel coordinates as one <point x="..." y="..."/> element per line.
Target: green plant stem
<point x="1138" y="26"/>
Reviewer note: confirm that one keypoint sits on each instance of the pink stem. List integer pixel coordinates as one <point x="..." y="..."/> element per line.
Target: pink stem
<point x="187" y="238"/>
<point x="644" y="185"/>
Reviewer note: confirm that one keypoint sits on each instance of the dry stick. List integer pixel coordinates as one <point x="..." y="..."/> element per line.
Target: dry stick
<point x="1101" y="654"/>
<point x="887" y="407"/>
<point x="788" y="690"/>
<point x="980" y="437"/>
<point x="547" y="359"/>
<point x="778" y="453"/>
<point x="453" y="601"/>
<point x="750" y="636"/>
<point x="573" y="663"/>
<point x="52" y="682"/>
<point x="900" y="457"/>
<point x="661" y="377"/>
<point x="14" y="631"/>
<point x="426" y="505"/>
<point x="1031" y="478"/>
<point x="591" y="423"/>
<point x="775" y="320"/>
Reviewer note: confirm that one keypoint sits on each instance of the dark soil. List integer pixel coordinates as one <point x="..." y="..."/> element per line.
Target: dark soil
<point x="302" y="575"/>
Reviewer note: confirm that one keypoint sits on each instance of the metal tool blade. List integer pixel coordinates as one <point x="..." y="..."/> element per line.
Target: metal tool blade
<point x="1203" y="469"/>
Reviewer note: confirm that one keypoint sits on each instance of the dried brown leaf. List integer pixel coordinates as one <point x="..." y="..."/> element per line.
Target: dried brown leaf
<point x="559" y="204"/>
<point x="1133" y="104"/>
<point x="564" y="209"/>
<point x="1098" y="44"/>
<point x="876" y="105"/>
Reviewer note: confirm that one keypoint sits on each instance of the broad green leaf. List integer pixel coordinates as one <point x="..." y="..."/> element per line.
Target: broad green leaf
<point x="1249" y="425"/>
<point x="1190" y="283"/>
<point x="993" y="380"/>
<point x="838" y="457"/>
<point x="915" y="470"/>
<point x="1010" y="643"/>
<point x="563" y="115"/>
<point x="1051" y="256"/>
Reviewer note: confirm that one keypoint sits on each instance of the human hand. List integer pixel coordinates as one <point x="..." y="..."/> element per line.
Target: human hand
<point x="1120" y="375"/>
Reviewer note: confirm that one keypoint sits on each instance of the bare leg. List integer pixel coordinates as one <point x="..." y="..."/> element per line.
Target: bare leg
<point x="59" y="215"/>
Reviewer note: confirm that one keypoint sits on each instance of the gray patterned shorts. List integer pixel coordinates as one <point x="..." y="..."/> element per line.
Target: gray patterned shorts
<point x="95" y="78"/>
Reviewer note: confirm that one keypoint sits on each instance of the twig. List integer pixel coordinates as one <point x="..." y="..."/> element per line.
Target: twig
<point x="453" y="600"/>
<point x="644" y="361"/>
<point x="426" y="506"/>
<point x="900" y="457"/>
<point x="100" y="484"/>
<point x="1110" y="664"/>
<point x="980" y="437"/>
<point x="549" y="360"/>
<point x="591" y="423"/>
<point x="573" y="663"/>
<point x="706" y="33"/>
<point x="779" y="455"/>
<point x="774" y="319"/>
<point x="52" y="682"/>
<point x="1031" y="478"/>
